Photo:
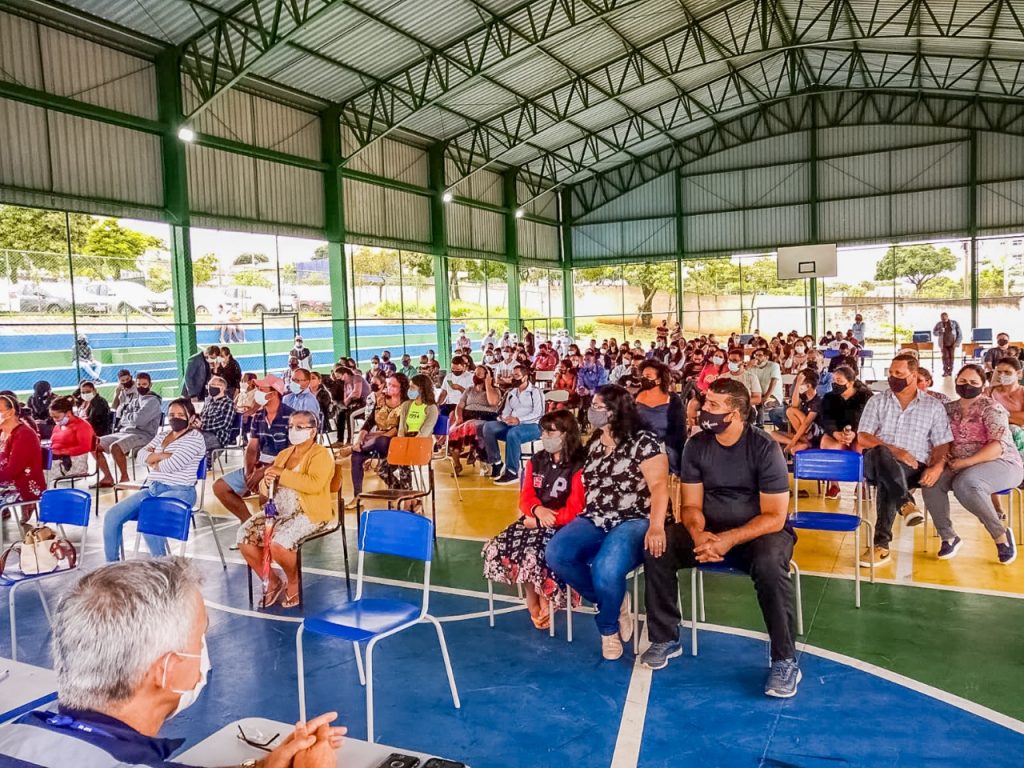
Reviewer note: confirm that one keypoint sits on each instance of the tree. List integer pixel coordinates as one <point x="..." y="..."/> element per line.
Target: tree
<point x="374" y="266"/>
<point x="250" y="259"/>
<point x="40" y="237"/>
<point x="710" y="277"/>
<point x="917" y="264"/>
<point x="111" y="249"/>
<point x="158" y="278"/>
<point x="204" y="268"/>
<point x="651" y="278"/>
<point x="254" y="279"/>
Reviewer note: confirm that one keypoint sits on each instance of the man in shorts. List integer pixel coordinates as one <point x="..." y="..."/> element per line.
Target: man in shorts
<point x="137" y="421"/>
<point x="268" y="436"/>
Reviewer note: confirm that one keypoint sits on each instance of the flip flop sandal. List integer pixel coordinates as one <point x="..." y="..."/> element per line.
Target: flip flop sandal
<point x="291" y="602"/>
<point x="271" y="598"/>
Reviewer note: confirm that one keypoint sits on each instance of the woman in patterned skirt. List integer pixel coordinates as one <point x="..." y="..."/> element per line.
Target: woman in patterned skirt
<point x="552" y="495"/>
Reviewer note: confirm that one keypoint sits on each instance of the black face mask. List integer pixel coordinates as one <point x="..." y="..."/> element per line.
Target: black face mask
<point x="897" y="385"/>
<point x="517" y="382"/>
<point x="968" y="391"/>
<point x="143" y="390"/>
<point x="646" y="383"/>
<point x="178" y="425"/>
<point x="838" y="388"/>
<point x="215" y="391"/>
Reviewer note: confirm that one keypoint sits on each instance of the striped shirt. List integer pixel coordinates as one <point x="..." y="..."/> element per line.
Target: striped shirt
<point x="181" y="466"/>
<point x="918" y="429"/>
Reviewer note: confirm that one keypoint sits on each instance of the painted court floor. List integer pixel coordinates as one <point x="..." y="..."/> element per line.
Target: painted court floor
<point x="926" y="672"/>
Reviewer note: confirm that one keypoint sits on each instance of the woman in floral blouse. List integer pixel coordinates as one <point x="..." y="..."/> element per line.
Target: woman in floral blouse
<point x="625" y="475"/>
<point x="982" y="460"/>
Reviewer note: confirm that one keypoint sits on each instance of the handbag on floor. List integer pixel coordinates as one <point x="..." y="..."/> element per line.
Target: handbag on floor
<point x="41" y="551"/>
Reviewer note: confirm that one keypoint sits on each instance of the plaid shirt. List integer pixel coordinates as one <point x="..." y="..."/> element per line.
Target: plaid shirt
<point x="918" y="429"/>
<point x="218" y="417"/>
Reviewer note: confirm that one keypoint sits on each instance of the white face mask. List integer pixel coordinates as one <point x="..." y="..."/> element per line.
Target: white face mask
<point x="244" y="386"/>
<point x="299" y="436"/>
<point x="88" y="396"/>
<point x="298" y="345"/>
<point x="188" y="698"/>
<point x="1006" y="379"/>
<point x="260" y="397"/>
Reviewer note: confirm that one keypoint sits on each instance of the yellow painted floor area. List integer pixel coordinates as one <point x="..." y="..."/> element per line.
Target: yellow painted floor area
<point x="485" y="509"/>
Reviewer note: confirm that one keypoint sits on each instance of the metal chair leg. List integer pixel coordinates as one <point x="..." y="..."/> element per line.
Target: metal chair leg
<point x="447" y="661"/>
<point x="359" y="664"/>
<point x="799" y="599"/>
<point x="369" y="690"/>
<point x="14" y="624"/>
<point x="216" y="541"/>
<point x="568" y="613"/>
<point x="693" y="611"/>
<point x="490" y="602"/>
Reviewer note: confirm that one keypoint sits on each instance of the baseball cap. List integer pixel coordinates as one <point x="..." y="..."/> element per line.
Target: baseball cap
<point x="271" y="381"/>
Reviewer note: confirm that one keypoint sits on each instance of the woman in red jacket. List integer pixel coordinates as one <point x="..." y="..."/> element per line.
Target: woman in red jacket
<point x="552" y="495"/>
<point x="72" y="441"/>
<point x="21" y="459"/>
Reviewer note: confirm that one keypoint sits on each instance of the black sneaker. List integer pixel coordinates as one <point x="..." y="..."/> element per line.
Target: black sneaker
<point x="1008" y="551"/>
<point x="496" y="470"/>
<point x="948" y="549"/>
<point x="657" y="656"/>
<point x="506" y="479"/>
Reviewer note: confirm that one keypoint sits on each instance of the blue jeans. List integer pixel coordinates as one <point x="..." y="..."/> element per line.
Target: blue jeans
<point x="128" y="509"/>
<point x="514" y="438"/>
<point x="777" y="416"/>
<point x="595" y="563"/>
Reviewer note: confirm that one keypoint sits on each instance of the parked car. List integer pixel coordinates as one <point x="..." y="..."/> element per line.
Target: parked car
<point x="314" y="298"/>
<point x="252" y="300"/>
<point x="57" y="298"/>
<point x="126" y="296"/>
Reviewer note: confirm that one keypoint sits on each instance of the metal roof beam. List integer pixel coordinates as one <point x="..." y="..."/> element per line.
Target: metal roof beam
<point x="791" y="113"/>
<point x="387" y="103"/>
<point x="239" y="38"/>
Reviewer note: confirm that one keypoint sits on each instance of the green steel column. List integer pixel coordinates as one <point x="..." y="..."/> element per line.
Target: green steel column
<point x="508" y="200"/>
<point x="813" y="213"/>
<point x="972" y="226"/>
<point x="176" y="205"/>
<point x="439" y="250"/>
<point x="568" y="298"/>
<point x="680" y="245"/>
<point x="334" y="229"/>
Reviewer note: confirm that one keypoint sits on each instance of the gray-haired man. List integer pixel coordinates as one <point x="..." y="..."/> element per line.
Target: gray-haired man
<point x="129" y="648"/>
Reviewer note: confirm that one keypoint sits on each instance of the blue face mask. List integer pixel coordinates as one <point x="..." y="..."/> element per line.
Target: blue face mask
<point x="295" y="387"/>
<point x="413" y="393"/>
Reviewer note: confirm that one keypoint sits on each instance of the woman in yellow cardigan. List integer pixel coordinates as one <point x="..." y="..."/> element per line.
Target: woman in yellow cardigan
<point x="303" y="473"/>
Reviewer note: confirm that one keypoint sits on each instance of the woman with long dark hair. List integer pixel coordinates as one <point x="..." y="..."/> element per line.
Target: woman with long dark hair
<point x="551" y="497"/>
<point x="625" y="476"/>
<point x="662" y="410"/>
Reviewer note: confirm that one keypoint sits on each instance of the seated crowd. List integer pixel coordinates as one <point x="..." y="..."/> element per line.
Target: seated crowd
<point x="595" y="436"/>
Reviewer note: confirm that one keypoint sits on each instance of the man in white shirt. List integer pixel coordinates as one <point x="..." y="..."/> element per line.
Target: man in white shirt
<point x="517" y="424"/>
<point x="504" y="370"/>
<point x="737" y="370"/>
<point x="769" y="376"/>
<point x="458" y="380"/>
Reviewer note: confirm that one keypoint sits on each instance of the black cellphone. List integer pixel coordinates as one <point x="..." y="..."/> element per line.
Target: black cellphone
<point x="437" y="762"/>
<point x="396" y="760"/>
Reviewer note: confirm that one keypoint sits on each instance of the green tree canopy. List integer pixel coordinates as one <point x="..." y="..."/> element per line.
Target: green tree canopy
<point x="111" y="249"/>
<point x="204" y="268"/>
<point x="650" y="278"/>
<point x="254" y="279"/>
<point x="40" y="238"/>
<point x="374" y="266"/>
<point x="917" y="264"/>
<point x="250" y="259"/>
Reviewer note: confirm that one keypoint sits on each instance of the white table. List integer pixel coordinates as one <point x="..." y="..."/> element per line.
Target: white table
<point x="225" y="748"/>
<point x="25" y="688"/>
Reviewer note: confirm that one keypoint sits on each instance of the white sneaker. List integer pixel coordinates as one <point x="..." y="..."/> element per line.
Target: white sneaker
<point x="611" y="647"/>
<point x="625" y="620"/>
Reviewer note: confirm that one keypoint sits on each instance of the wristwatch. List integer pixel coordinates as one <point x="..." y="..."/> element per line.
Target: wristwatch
<point x="251" y="763"/>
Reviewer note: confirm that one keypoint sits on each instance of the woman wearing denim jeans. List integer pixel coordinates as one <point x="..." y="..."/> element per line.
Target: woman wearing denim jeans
<point x="173" y="458"/>
<point x="625" y="475"/>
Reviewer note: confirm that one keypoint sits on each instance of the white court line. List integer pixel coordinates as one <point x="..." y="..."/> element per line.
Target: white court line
<point x="634" y="713"/>
<point x="893" y="677"/>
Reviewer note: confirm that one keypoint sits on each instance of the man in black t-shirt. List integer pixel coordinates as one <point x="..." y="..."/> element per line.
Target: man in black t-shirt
<point x="735" y="503"/>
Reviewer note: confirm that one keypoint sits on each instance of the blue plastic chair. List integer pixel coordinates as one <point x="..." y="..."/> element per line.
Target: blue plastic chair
<point x="828" y="354"/>
<point x="60" y="507"/>
<point x="383" y="532"/>
<point x="697" y="595"/>
<point x="981" y="335"/>
<point x="835" y="466"/>
<point x="164" y="516"/>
